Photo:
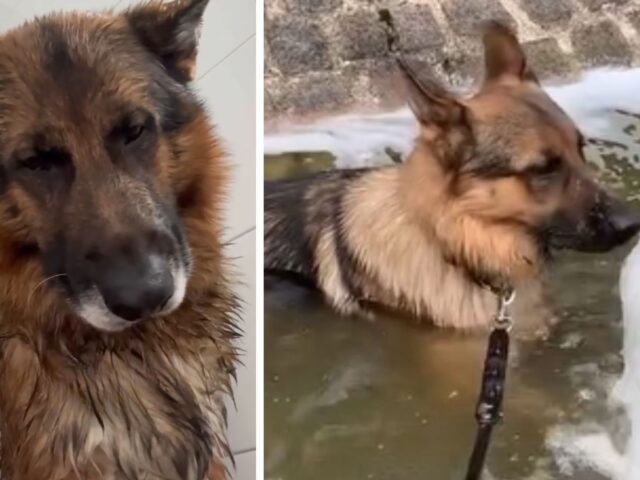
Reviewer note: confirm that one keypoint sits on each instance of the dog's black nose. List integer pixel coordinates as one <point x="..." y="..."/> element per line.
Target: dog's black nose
<point x="132" y="297"/>
<point x="625" y="223"/>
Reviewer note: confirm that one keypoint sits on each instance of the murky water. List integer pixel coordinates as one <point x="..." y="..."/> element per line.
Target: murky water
<point x="350" y="399"/>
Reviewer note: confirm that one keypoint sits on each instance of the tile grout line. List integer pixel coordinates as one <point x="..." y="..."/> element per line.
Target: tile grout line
<point x="222" y="60"/>
<point x="207" y="72"/>
<point x="244" y="451"/>
<point x="240" y="235"/>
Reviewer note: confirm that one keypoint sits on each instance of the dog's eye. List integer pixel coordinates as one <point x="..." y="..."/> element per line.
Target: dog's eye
<point x="43" y="160"/>
<point x="132" y="127"/>
<point x="35" y="163"/>
<point x="131" y="133"/>
<point x="550" y="166"/>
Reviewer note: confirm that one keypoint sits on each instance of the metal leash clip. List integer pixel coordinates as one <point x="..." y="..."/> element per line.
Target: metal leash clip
<point x="489" y="406"/>
<point x="503" y="319"/>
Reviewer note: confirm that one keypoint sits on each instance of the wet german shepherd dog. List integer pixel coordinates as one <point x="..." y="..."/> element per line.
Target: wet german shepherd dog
<point x="494" y="182"/>
<point x="116" y="312"/>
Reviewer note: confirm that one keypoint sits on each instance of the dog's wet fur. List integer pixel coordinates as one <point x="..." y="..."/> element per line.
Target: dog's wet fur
<point x="116" y="313"/>
<point x="493" y="184"/>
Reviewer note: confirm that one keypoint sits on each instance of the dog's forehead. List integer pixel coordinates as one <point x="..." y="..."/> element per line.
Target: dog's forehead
<point x="522" y="109"/>
<point x="66" y="64"/>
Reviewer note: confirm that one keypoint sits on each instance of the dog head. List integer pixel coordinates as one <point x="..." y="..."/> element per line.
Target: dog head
<point x="93" y="112"/>
<point x="502" y="174"/>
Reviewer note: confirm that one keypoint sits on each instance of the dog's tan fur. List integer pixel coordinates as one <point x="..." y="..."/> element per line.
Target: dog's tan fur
<point x="399" y="262"/>
<point x="147" y="402"/>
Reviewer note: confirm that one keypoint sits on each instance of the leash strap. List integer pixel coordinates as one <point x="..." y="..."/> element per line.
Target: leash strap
<point x="476" y="463"/>
<point x="489" y="406"/>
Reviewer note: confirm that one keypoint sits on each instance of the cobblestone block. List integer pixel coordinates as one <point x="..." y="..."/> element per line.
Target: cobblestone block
<point x="595" y="5"/>
<point x="466" y="17"/>
<point x="316" y="6"/>
<point x="547" y="60"/>
<point x="297" y="46"/>
<point x="361" y="35"/>
<point x="416" y="27"/>
<point x="548" y="11"/>
<point x="313" y="93"/>
<point x="600" y="44"/>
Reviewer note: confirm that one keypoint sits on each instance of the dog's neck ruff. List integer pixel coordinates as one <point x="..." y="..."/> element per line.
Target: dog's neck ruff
<point x="500" y="287"/>
<point x="405" y="260"/>
<point x="148" y="404"/>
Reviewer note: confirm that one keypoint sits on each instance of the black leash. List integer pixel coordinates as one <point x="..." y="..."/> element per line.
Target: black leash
<point x="489" y="406"/>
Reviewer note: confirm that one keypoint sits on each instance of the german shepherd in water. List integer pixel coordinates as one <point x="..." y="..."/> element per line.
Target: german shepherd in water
<point x="493" y="183"/>
<point x="117" y="318"/>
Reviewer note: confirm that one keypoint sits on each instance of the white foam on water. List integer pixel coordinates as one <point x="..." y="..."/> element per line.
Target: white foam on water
<point x="577" y="449"/>
<point x="590" y="446"/>
<point x="354" y="138"/>
<point x="627" y="389"/>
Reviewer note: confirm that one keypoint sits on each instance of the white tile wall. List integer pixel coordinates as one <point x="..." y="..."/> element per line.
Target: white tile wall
<point x="227" y="76"/>
<point x="230" y="91"/>
<point x="246" y="465"/>
<point x="227" y="80"/>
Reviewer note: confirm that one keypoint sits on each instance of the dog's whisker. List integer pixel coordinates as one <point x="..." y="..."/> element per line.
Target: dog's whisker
<point x="43" y="283"/>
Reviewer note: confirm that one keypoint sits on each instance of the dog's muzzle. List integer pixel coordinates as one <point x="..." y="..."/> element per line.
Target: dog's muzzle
<point x="113" y="283"/>
<point x="608" y="224"/>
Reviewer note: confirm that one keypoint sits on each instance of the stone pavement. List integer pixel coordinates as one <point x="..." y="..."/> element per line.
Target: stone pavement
<point x="328" y="56"/>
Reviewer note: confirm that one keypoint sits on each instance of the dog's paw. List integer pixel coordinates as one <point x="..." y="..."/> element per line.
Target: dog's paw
<point x="367" y="314"/>
<point x="350" y="307"/>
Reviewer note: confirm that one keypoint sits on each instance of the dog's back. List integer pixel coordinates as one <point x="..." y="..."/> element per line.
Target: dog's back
<point x="296" y="212"/>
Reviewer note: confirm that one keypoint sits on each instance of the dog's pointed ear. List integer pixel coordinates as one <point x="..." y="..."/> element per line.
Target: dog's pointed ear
<point x="503" y="55"/>
<point x="432" y="105"/>
<point x="171" y="31"/>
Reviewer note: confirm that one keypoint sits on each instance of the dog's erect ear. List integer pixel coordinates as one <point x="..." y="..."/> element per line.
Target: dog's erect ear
<point x="432" y="105"/>
<point x="171" y="31"/>
<point x="503" y="55"/>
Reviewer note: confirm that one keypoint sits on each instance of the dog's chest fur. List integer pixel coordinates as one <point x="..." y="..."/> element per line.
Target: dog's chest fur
<point x="147" y="412"/>
<point x="399" y="263"/>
